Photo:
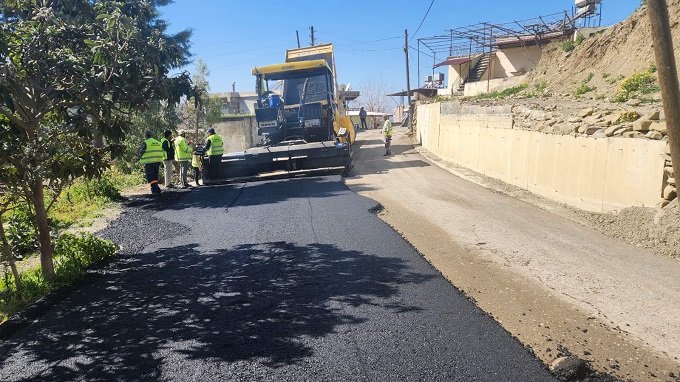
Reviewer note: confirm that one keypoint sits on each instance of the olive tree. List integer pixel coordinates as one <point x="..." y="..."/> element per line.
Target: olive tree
<point x="72" y="72"/>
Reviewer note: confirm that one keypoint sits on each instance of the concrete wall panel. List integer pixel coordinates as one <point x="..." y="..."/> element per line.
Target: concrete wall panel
<point x="593" y="174"/>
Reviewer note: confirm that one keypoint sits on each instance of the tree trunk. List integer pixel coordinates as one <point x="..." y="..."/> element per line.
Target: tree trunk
<point x="7" y="252"/>
<point x="46" y="250"/>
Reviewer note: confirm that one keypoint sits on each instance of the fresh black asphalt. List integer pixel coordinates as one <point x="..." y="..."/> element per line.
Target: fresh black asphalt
<point x="287" y="280"/>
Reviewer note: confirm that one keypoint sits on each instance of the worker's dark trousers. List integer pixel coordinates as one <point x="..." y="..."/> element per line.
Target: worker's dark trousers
<point x="151" y="172"/>
<point x="214" y="166"/>
<point x="363" y="124"/>
<point x="388" y="145"/>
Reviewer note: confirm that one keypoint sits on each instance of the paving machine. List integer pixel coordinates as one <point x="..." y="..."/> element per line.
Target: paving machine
<point x="301" y="119"/>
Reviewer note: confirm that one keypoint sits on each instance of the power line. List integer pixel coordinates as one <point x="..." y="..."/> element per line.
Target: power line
<point x="423" y="20"/>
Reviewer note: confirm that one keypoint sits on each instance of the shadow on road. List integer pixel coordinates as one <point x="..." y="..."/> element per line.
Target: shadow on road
<point x="252" y="302"/>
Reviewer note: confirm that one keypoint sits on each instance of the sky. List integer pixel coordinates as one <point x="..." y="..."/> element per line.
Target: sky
<point x="232" y="36"/>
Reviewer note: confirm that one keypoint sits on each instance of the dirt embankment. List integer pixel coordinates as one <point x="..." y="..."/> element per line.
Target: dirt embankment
<point x="617" y="52"/>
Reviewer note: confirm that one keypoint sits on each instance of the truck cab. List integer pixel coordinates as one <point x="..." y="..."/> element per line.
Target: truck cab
<point x="296" y="102"/>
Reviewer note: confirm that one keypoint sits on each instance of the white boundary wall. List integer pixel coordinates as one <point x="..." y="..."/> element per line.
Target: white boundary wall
<point x="601" y="175"/>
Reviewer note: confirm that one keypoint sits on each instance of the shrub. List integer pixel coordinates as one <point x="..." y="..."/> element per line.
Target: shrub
<point x="504" y="93"/>
<point x="629" y="116"/>
<point x="73" y="255"/>
<point x="567" y="45"/>
<point x="637" y="84"/>
<point x="583" y="87"/>
<point x="579" y="39"/>
<point x="21" y="233"/>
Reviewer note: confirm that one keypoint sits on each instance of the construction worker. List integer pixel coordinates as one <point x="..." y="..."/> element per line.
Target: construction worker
<point x="182" y="156"/>
<point x="168" y="157"/>
<point x="387" y="132"/>
<point x="362" y="117"/>
<point x="214" y="148"/>
<point x="197" y="165"/>
<point x="151" y="156"/>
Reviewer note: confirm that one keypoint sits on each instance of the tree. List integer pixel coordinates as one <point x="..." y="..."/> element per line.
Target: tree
<point x="72" y="72"/>
<point x="199" y="111"/>
<point x="373" y="96"/>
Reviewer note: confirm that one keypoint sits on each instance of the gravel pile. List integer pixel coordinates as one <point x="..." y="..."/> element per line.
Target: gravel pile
<point x="137" y="227"/>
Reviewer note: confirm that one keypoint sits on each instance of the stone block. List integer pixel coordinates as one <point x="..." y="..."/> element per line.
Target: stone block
<point x="653" y="116"/>
<point x="633" y="102"/>
<point x="622" y="129"/>
<point x="582" y="129"/>
<point x="592" y="130"/>
<point x="591" y="120"/>
<point x="669" y="171"/>
<point x="658" y="126"/>
<point x="654" y="135"/>
<point x="609" y="132"/>
<point x="633" y="134"/>
<point x="671" y="181"/>
<point x="599" y="133"/>
<point x="669" y="193"/>
<point x="575" y="120"/>
<point x="586" y="112"/>
<point x="667" y="149"/>
<point x="641" y="125"/>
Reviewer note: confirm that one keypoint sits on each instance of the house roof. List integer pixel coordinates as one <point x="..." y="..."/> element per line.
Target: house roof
<point x="454" y="61"/>
<point x="428" y="92"/>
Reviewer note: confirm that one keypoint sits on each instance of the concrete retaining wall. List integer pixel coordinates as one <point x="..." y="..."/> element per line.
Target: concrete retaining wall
<point x="602" y="175"/>
<point x="238" y="133"/>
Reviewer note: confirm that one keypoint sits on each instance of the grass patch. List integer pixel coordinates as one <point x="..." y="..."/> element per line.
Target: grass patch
<point x="73" y="254"/>
<point x="583" y="87"/>
<point x="85" y="198"/>
<point x="538" y="90"/>
<point x="505" y="93"/>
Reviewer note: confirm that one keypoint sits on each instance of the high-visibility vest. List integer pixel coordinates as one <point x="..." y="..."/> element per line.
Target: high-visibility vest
<point x="196" y="161"/>
<point x="387" y="128"/>
<point x="216" y="145"/>
<point x="153" y="152"/>
<point x="165" y="153"/>
<point x="182" y="149"/>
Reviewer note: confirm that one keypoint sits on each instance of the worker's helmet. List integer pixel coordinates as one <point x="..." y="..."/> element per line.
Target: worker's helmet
<point x="211" y="130"/>
<point x="148" y="134"/>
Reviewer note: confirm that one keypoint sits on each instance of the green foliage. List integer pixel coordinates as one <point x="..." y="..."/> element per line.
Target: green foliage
<point x="637" y="84"/>
<point x="629" y="116"/>
<point x="567" y="45"/>
<point x="610" y="79"/>
<point x="583" y="87"/>
<point x="73" y="255"/>
<point x="21" y="232"/>
<point x="504" y="93"/>
<point x="157" y="117"/>
<point x="579" y="39"/>
<point x="538" y="90"/>
<point x="86" y="197"/>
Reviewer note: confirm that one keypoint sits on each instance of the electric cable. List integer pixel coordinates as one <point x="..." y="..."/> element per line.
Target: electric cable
<point x="423" y="20"/>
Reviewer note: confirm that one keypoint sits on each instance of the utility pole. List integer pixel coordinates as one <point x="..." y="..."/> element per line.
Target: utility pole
<point x="297" y="34"/>
<point x="408" y="79"/>
<point x="657" y="10"/>
<point x="311" y="35"/>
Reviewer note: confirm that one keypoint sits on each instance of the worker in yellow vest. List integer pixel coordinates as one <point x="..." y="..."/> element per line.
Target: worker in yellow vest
<point x="151" y="156"/>
<point x="182" y="156"/>
<point x="214" y="148"/>
<point x="387" y="132"/>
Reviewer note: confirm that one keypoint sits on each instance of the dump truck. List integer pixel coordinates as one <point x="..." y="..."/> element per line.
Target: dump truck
<point x="301" y="119"/>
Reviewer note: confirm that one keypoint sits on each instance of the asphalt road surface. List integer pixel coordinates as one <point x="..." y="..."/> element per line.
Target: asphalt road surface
<point x="288" y="280"/>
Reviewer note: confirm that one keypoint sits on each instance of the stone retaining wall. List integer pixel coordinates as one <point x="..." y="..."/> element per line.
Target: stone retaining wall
<point x="596" y="172"/>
